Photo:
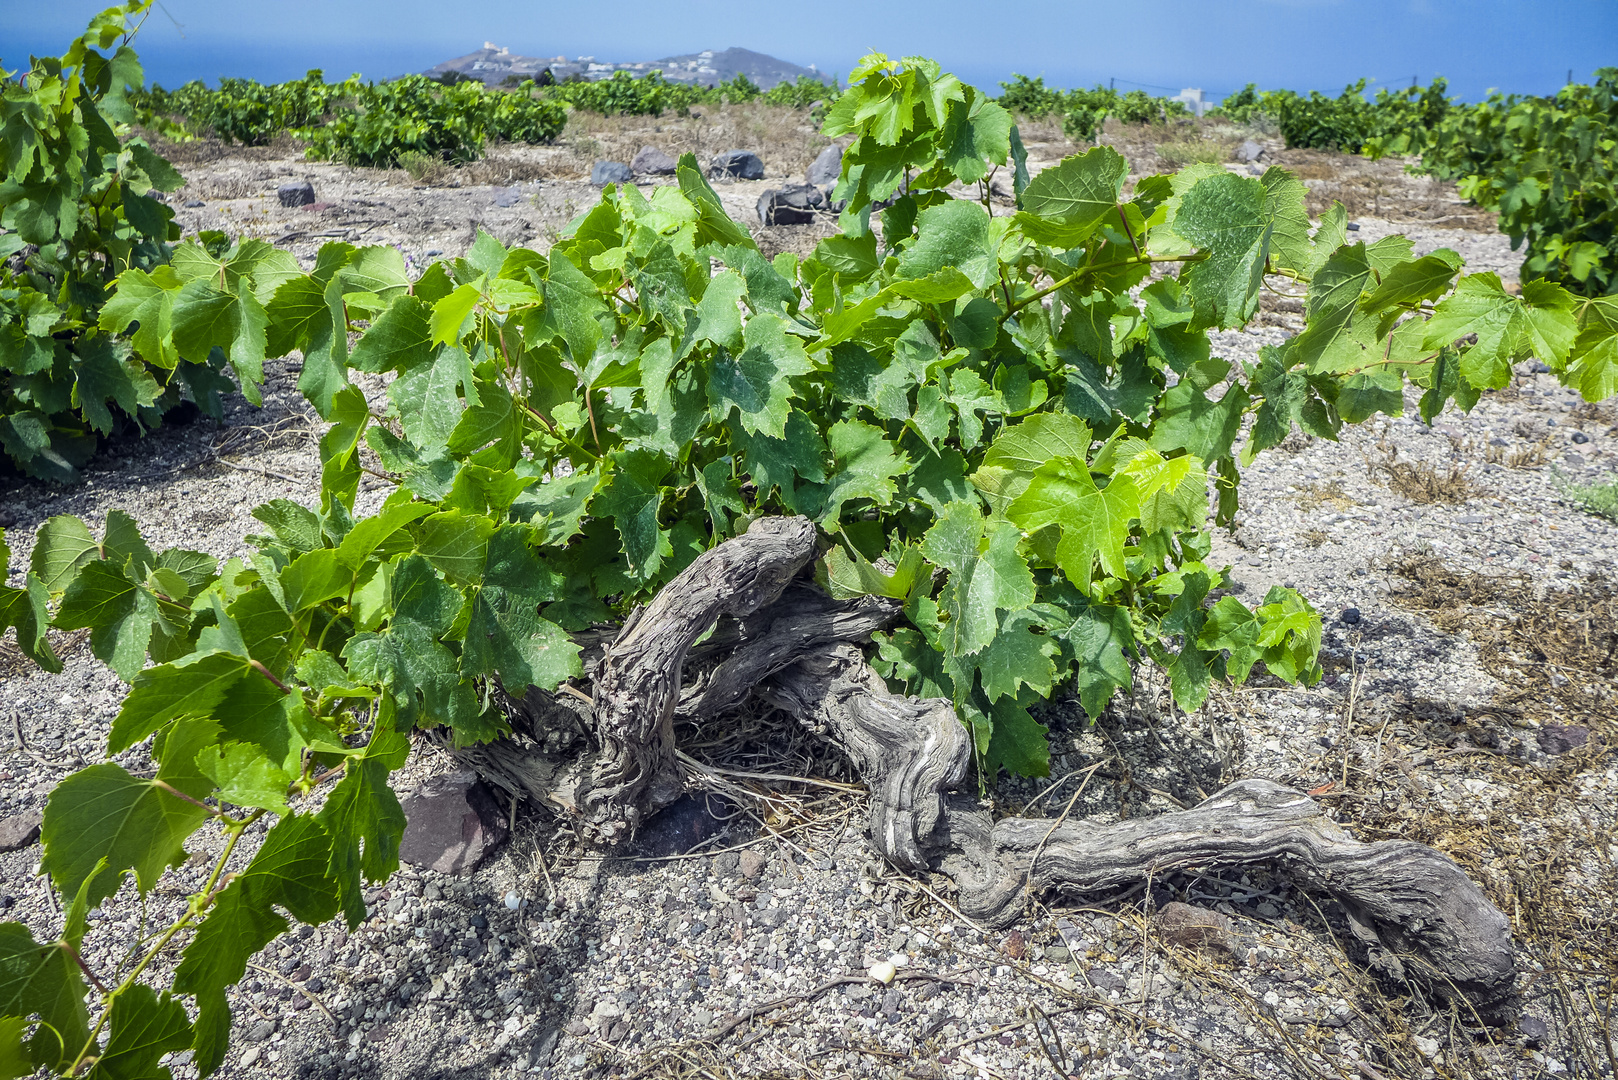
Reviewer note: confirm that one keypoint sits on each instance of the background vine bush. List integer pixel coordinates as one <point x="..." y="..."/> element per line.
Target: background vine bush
<point x="81" y="204"/>
<point x="983" y="416"/>
<point x="362" y="123"/>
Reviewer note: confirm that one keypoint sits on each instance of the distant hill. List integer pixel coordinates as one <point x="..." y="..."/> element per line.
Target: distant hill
<point x="493" y="64"/>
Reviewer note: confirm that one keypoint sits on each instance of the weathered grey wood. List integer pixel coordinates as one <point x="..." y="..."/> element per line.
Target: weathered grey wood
<point x="1416" y="899"/>
<point x="909" y="750"/>
<point x="804" y="621"/>
<point x="638" y="680"/>
<point x="912" y="752"/>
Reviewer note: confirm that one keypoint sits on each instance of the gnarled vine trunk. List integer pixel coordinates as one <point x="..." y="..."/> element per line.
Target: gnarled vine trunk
<point x="610" y="760"/>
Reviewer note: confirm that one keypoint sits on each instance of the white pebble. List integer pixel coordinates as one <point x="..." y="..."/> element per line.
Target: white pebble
<point x="883" y="971"/>
<point x="513" y="901"/>
<point x="899" y="960"/>
<point x="827" y="944"/>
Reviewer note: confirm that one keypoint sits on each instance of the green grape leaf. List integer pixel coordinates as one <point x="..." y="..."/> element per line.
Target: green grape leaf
<point x="1017" y="657"/>
<point x="64" y="544"/>
<point x="719" y="317"/>
<point x="143" y="1027"/>
<point x="864" y="464"/>
<point x="118" y="613"/>
<point x="1409" y="283"/>
<point x="41" y="980"/>
<point x="506" y="636"/>
<point x="1073" y="197"/>
<point x="1173" y="491"/>
<point x="1509" y="328"/>
<point x="245" y="776"/>
<point x="755" y="382"/>
<point x="362" y="809"/>
<point x="1189" y="420"/>
<point x="1019" y="743"/>
<point x="633" y="498"/>
<point x="103" y="813"/>
<point x="1223" y="216"/>
<point x="189" y="687"/>
<point x="1020" y="449"/>
<point x="1094" y="522"/>
<point x="986" y="575"/>
<point x="953" y="235"/>
<point x="398" y="339"/>
<point x="14" y="1061"/>
<point x="450" y="314"/>
<point x="289" y="871"/>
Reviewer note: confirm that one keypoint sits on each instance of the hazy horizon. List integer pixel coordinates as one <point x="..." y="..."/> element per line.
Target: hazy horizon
<point x="1218" y="45"/>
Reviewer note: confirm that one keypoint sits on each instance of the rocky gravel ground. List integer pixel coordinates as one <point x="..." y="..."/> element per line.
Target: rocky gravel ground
<point x="781" y="947"/>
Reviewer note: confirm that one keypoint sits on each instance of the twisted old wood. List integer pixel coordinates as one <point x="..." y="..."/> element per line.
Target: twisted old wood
<point x="637" y="683"/>
<point x="801" y="652"/>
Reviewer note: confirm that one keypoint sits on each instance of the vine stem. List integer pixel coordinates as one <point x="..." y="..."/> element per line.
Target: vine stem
<point x="1143" y="260"/>
<point x="198" y="901"/>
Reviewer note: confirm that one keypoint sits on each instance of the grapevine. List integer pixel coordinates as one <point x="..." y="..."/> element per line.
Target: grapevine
<point x="998" y="429"/>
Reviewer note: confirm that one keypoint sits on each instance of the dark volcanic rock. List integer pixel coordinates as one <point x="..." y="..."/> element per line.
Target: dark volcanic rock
<point x="794" y="204"/>
<point x="1560" y="738"/>
<point x="19" y="830"/>
<point x="296" y="193"/>
<point x="737" y="165"/>
<point x="650" y="161"/>
<point x="682" y="825"/>
<point x="452" y="822"/>
<point x="603" y="173"/>
<point x="826" y="168"/>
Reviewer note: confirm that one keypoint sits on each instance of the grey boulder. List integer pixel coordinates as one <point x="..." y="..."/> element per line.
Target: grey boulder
<point x="451" y="824"/>
<point x="737" y="165"/>
<point x="794" y="204"/>
<point x="296" y="193"/>
<point x="1249" y="152"/>
<point x="650" y="161"/>
<point x="603" y="173"/>
<point x="826" y="168"/>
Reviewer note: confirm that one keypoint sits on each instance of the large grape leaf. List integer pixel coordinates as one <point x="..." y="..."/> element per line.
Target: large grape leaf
<point x="864" y="464"/>
<point x="189" y="687"/>
<point x="506" y="636"/>
<point x="1020" y="449"/>
<point x="142" y="1028"/>
<point x="1223" y="216"/>
<point x="103" y="814"/>
<point x="755" y="381"/>
<point x="363" y="810"/>
<point x="953" y="235"/>
<point x="987" y="574"/>
<point x="1017" y="657"/>
<point x="1094" y="521"/>
<point x="1539" y="323"/>
<point x="289" y="871"/>
<point x="41" y="980"/>
<point x="633" y="498"/>
<point x="1064" y="205"/>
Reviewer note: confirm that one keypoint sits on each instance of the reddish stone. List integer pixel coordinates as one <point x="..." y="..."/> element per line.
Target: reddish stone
<point x="453" y="823"/>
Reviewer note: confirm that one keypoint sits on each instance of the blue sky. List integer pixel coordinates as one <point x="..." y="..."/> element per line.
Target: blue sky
<point x="1523" y="46"/>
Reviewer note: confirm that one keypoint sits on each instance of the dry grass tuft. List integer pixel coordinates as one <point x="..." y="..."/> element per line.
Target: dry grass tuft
<point x="1423" y="483"/>
<point x="1311" y="497"/>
